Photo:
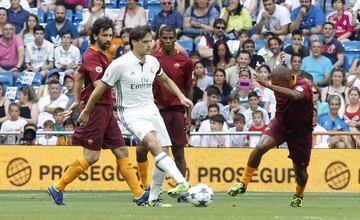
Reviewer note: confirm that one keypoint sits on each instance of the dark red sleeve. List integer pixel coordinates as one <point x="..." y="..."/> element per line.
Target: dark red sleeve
<point x="92" y="65"/>
<point x="188" y="75"/>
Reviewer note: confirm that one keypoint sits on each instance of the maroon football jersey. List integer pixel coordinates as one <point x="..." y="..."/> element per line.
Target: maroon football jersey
<point x="93" y="66"/>
<point x="296" y="116"/>
<point x="179" y="68"/>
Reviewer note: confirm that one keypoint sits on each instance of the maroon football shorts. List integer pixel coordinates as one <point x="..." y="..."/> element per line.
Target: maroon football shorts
<point x="102" y="130"/>
<point x="175" y="124"/>
<point x="299" y="145"/>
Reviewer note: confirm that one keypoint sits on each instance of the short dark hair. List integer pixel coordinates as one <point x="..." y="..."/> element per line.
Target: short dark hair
<point x="239" y="117"/>
<point x="329" y="23"/>
<point x="248" y="41"/>
<point x="67" y="32"/>
<point x="167" y="28"/>
<point x="275" y="38"/>
<point x="218" y="118"/>
<point x="39" y="28"/>
<point x="258" y="112"/>
<point x="14" y="104"/>
<point x="101" y="24"/>
<point x="297" y="32"/>
<point x="295" y="55"/>
<point x="219" y="21"/>
<point x="214" y="106"/>
<point x="243" y="52"/>
<point x="253" y="94"/>
<point x="138" y="33"/>
<point x="68" y="121"/>
<point x="48" y="122"/>
<point x="54" y="81"/>
<point x="333" y="1"/>
<point x="59" y="110"/>
<point x="233" y="96"/>
<point x="212" y="90"/>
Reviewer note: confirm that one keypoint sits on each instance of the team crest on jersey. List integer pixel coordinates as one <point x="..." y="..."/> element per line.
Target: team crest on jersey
<point x="98" y="69"/>
<point x="299" y="88"/>
<point x="177" y="65"/>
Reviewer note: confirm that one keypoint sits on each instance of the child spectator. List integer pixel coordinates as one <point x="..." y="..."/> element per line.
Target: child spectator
<point x="296" y="46"/>
<point x="258" y="125"/>
<point x="229" y="111"/>
<point x="202" y="79"/>
<point x="48" y="139"/>
<point x="254" y="106"/>
<point x="67" y="56"/>
<point x="124" y="36"/>
<point x="14" y="123"/>
<point x="319" y="141"/>
<point x="59" y="119"/>
<point x="28" y="34"/>
<point x="68" y="125"/>
<point x="244" y="86"/>
<point x="239" y="125"/>
<point x="216" y="124"/>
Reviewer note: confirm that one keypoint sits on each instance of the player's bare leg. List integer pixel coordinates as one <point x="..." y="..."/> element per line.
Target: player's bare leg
<point x="265" y="144"/>
<point x="301" y="180"/>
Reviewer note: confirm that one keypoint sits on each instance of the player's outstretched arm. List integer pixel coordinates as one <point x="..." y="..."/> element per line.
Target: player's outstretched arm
<point x="174" y="89"/>
<point x="101" y="87"/>
<point x="78" y="84"/>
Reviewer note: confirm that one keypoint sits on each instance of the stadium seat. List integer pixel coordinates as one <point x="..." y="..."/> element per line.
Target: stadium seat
<point x="287" y="42"/>
<point x="349" y="57"/>
<point x="111" y="4"/>
<point x="50" y="16"/>
<point x="351" y="45"/>
<point x="153" y="7"/>
<point x="259" y="43"/>
<point x="36" y="81"/>
<point x="6" y="78"/>
<point x="69" y="14"/>
<point x="188" y="45"/>
<point x="78" y="16"/>
<point x="84" y="45"/>
<point x="41" y="15"/>
<point x="122" y="3"/>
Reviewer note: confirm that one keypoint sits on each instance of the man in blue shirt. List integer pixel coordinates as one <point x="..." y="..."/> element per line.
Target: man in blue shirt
<point x="168" y="16"/>
<point x="17" y="15"/>
<point x="308" y="18"/>
<point x="332" y="122"/>
<point x="54" y="29"/>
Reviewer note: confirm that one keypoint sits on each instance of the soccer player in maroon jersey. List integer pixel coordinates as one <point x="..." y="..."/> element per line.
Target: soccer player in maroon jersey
<point x="292" y="123"/>
<point x="179" y="67"/>
<point x="102" y="130"/>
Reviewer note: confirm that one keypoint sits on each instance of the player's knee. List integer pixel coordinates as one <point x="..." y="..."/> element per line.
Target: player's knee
<point x="91" y="159"/>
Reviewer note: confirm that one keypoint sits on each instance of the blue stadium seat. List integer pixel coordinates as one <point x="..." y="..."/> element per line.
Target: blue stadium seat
<point x="349" y="57"/>
<point x="259" y="43"/>
<point x="154" y="8"/>
<point x="84" y="45"/>
<point x="188" y="45"/>
<point x="41" y="15"/>
<point x="287" y="42"/>
<point x="50" y="16"/>
<point x="37" y="81"/>
<point x="351" y="45"/>
<point x="69" y="14"/>
<point x="111" y="4"/>
<point x="78" y="16"/>
<point x="6" y="78"/>
<point x="122" y="3"/>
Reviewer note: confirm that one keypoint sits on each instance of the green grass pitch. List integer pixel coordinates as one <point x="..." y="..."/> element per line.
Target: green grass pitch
<point x="87" y="205"/>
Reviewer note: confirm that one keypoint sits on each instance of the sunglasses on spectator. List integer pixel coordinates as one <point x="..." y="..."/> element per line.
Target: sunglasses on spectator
<point x="220" y="27"/>
<point x="166" y="3"/>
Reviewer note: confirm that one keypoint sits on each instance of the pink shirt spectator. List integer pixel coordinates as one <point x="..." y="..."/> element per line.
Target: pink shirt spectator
<point x="341" y="25"/>
<point x="75" y="2"/>
<point x="139" y="18"/>
<point x="9" y="53"/>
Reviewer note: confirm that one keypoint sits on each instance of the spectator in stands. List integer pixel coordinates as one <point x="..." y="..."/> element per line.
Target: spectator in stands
<point x="352" y="114"/>
<point x="221" y="56"/>
<point x="28" y="34"/>
<point x="356" y="19"/>
<point x="207" y="41"/>
<point x="255" y="60"/>
<point x="216" y="124"/>
<point x="331" y="47"/>
<point x="124" y="36"/>
<point x="67" y="56"/>
<point x="4" y="105"/>
<point x="44" y="88"/>
<point x="253" y="99"/>
<point x="46" y="5"/>
<point x="292" y="4"/>
<point x="252" y="7"/>
<point x="48" y="104"/>
<point x="266" y="95"/>
<point x="48" y="139"/>
<point x="17" y="15"/>
<point x="28" y="108"/>
<point x="199" y="19"/>
<point x="201" y="77"/>
<point x="296" y="61"/>
<point x="168" y="16"/>
<point x="54" y="29"/>
<point x="296" y="46"/>
<point x="265" y="52"/>
<point x="96" y="10"/>
<point x="341" y="19"/>
<point x="279" y="57"/>
<point x="233" y="73"/>
<point x="24" y="4"/>
<point x="3" y="19"/>
<point x="219" y="78"/>
<point x="319" y="141"/>
<point x="68" y="125"/>
<point x="59" y="117"/>
<point x="39" y="55"/>
<point x="235" y="45"/>
<point x="131" y="16"/>
<point x="257" y="118"/>
<point x="75" y="5"/>
<point x="354" y="75"/>
<point x="337" y="84"/>
<point x="320" y="106"/>
<point x="229" y="111"/>
<point x="239" y="126"/>
<point x="308" y="18"/>
<point x="236" y="16"/>
<point x="274" y="18"/>
<point x="317" y="65"/>
<point x="195" y="56"/>
<point x="244" y="86"/>
<point x="11" y="51"/>
<point x="13" y="123"/>
<point x="200" y="109"/>
<point x="332" y="122"/>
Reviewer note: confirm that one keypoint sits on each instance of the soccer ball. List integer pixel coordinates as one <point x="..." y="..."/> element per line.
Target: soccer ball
<point x="200" y="195"/>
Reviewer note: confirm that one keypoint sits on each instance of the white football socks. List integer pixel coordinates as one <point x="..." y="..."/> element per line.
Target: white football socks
<point x="165" y="163"/>
<point x="156" y="183"/>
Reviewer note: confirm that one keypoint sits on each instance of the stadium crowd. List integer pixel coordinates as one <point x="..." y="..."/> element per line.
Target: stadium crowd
<point x="228" y="42"/>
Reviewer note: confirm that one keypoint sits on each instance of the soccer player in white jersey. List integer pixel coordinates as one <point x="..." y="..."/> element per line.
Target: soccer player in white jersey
<point x="132" y="75"/>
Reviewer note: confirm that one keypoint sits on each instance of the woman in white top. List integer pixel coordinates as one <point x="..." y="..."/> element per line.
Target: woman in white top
<point x="96" y="10"/>
<point x="131" y="15"/>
